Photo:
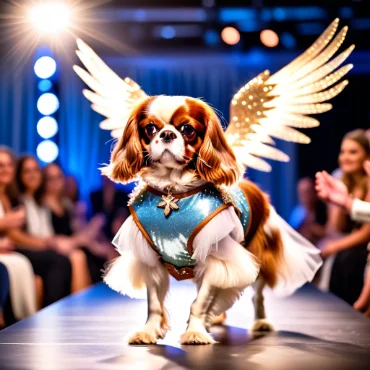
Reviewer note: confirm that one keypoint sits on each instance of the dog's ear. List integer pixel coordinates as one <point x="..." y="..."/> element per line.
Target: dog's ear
<point x="217" y="162"/>
<point x="127" y="157"/>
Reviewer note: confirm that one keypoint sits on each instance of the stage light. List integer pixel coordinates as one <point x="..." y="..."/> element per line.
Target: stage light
<point x="50" y="18"/>
<point x="269" y="38"/>
<point x="45" y="85"/>
<point x="211" y="37"/>
<point x="45" y="67"/>
<point x="230" y="35"/>
<point x="47" y="127"/>
<point x="168" y="32"/>
<point x="47" y="151"/>
<point x="47" y="104"/>
<point x="288" y="40"/>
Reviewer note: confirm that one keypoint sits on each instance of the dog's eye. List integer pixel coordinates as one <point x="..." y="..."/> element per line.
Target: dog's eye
<point x="151" y="129"/>
<point x="187" y="130"/>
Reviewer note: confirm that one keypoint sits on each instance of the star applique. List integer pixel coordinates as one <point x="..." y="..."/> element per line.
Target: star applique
<point x="169" y="203"/>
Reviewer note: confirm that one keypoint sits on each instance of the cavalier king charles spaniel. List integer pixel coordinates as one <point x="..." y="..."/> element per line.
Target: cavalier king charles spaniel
<point x="194" y="217"/>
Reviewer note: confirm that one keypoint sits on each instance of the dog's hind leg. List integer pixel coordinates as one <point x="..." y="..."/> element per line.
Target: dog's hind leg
<point x="196" y="333"/>
<point x="223" y="300"/>
<point x="260" y="321"/>
<point x="157" y="282"/>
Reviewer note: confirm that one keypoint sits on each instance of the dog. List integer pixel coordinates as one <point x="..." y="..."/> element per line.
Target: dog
<point x="195" y="217"/>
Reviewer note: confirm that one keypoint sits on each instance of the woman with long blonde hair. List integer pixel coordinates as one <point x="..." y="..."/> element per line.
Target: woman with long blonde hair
<point x="348" y="239"/>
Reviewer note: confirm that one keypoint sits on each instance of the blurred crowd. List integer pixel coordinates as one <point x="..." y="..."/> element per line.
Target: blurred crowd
<point x="51" y="243"/>
<point x="342" y="240"/>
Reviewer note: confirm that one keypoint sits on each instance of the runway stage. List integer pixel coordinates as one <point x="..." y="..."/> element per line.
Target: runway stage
<point x="86" y="331"/>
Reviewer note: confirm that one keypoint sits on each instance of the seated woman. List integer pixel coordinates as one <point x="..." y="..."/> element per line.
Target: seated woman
<point x="348" y="239"/>
<point x="18" y="299"/>
<point x="335" y="192"/>
<point x="98" y="245"/>
<point x="39" y="221"/>
<point x="309" y="216"/>
<point x="62" y="211"/>
<point x="53" y="268"/>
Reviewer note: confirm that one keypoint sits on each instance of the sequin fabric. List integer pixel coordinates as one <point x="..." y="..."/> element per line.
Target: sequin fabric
<point x="170" y="235"/>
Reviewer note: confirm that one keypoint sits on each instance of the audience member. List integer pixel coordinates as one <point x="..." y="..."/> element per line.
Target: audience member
<point x="334" y="191"/>
<point x="39" y="222"/>
<point x="53" y="268"/>
<point x="309" y="216"/>
<point x="62" y="211"/>
<point x="347" y="239"/>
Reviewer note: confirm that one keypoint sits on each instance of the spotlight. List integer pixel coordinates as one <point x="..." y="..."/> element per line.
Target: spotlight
<point x="168" y="32"/>
<point x="211" y="37"/>
<point x="45" y="67"/>
<point x="50" y="17"/>
<point x="288" y="40"/>
<point x="47" y="104"/>
<point x="230" y="35"/>
<point x="47" y="127"/>
<point x="269" y="38"/>
<point x="47" y="151"/>
<point x="45" y="85"/>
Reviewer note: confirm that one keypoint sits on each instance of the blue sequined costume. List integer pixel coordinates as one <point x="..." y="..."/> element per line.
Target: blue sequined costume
<point x="172" y="236"/>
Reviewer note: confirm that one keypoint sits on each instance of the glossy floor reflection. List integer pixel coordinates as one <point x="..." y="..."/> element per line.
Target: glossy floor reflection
<point x="87" y="331"/>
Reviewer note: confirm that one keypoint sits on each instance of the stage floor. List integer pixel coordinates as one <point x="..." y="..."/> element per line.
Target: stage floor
<point x="86" y="331"/>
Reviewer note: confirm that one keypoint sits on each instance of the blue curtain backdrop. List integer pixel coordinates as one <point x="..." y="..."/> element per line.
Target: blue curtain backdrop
<point x="18" y="111"/>
<point x="83" y="146"/>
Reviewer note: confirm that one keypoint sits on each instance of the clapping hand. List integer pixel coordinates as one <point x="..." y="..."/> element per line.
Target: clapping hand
<point x="332" y="190"/>
<point x="16" y="218"/>
<point x="6" y="245"/>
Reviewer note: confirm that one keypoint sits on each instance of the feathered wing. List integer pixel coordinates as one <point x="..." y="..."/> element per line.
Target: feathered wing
<point x="112" y="97"/>
<point x="270" y="106"/>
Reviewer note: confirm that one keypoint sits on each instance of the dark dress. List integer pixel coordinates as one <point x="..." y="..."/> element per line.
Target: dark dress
<point x="347" y="276"/>
<point x="4" y="285"/>
<point x="119" y="204"/>
<point x="62" y="226"/>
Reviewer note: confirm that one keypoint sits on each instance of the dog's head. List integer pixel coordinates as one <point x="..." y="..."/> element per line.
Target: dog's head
<point x="176" y="132"/>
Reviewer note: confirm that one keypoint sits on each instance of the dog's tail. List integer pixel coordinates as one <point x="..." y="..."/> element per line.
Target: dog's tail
<point x="263" y="240"/>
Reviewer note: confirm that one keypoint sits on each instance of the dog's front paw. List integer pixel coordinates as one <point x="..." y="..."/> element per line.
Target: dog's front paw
<point x="262" y="325"/>
<point x="143" y="337"/>
<point x="195" y="337"/>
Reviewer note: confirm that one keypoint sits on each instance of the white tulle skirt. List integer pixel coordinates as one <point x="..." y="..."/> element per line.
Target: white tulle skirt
<point x="301" y="259"/>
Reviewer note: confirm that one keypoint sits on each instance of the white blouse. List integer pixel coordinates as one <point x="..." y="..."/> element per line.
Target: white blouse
<point x="38" y="218"/>
<point x="360" y="211"/>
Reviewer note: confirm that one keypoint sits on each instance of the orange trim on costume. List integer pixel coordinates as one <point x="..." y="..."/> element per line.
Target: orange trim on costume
<point x="141" y="228"/>
<point x="204" y="223"/>
<point x="180" y="195"/>
<point x="250" y="215"/>
<point x="182" y="273"/>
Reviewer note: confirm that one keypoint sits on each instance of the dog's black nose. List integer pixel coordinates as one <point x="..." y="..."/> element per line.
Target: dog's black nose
<point x="167" y="136"/>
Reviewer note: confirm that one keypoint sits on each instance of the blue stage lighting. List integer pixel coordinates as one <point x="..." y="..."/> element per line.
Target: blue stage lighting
<point x="47" y="104"/>
<point x="211" y="37"/>
<point x="47" y="151"/>
<point x="45" y="85"/>
<point x="168" y="32"/>
<point x="45" y="67"/>
<point x="288" y="40"/>
<point x="47" y="127"/>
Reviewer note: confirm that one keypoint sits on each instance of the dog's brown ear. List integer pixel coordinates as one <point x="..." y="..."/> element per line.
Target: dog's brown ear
<point x="127" y="157"/>
<point x="217" y="163"/>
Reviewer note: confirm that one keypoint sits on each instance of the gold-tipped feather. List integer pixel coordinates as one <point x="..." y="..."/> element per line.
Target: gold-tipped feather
<point x="270" y="106"/>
